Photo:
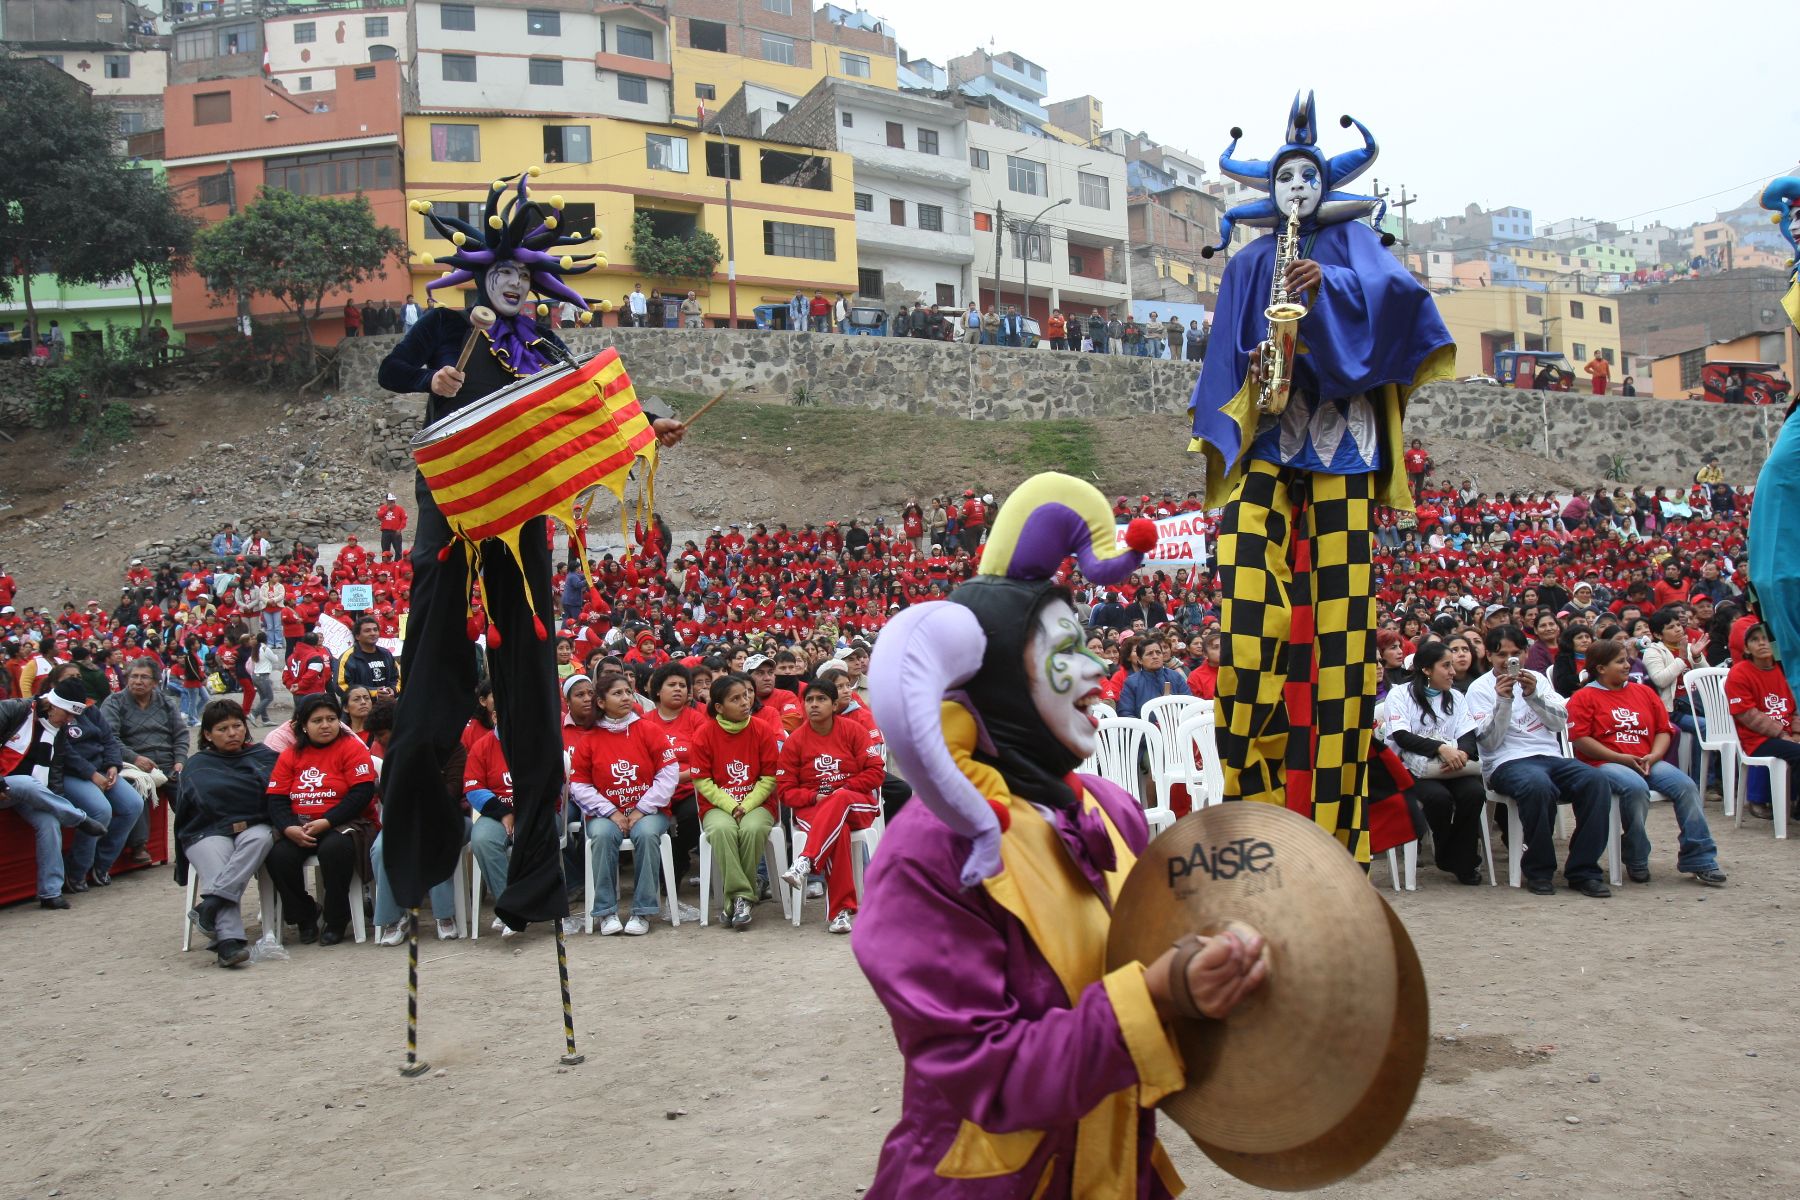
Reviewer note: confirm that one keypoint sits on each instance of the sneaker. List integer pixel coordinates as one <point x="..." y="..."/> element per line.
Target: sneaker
<point x="841" y="922"/>
<point x="814" y="890"/>
<point x="740" y="913"/>
<point x="99" y="877"/>
<point x="1712" y="877"/>
<point x="611" y="925"/>
<point x="687" y="912"/>
<point x="73" y="886"/>
<point x="795" y="876"/>
<point x="637" y="926"/>
<point x="393" y="935"/>
<point x="498" y="926"/>
<point x="507" y="931"/>
<point x="446" y="928"/>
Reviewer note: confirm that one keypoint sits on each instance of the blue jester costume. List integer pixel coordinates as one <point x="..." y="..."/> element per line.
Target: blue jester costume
<point x="1295" y="544"/>
<point x="1775" y="515"/>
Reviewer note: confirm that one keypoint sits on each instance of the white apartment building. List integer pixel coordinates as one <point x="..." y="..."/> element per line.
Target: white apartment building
<point x="1070" y="256"/>
<point x="560" y="58"/>
<point x="305" y="47"/>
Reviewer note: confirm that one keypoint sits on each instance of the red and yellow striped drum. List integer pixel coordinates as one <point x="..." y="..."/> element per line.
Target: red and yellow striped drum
<point x="539" y="447"/>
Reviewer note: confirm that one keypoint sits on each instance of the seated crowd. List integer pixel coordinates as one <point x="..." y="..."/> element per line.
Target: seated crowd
<point x="718" y="678"/>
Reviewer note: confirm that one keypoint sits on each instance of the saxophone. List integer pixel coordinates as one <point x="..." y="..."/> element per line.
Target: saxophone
<point x="1284" y="319"/>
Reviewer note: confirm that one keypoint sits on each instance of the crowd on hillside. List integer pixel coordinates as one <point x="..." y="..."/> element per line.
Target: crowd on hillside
<point x="736" y="645"/>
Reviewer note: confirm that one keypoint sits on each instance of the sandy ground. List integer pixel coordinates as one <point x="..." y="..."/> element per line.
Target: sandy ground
<point x="1640" y="1046"/>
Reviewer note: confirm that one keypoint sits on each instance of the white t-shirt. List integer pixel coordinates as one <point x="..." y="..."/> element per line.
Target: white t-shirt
<point x="1532" y="722"/>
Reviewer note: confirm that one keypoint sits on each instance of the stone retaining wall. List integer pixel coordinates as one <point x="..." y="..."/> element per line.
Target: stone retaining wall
<point x="1657" y="441"/>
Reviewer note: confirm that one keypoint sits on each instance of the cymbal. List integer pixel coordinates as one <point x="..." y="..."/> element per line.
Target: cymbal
<point x="1295" y="1060"/>
<point x="1356" y="1140"/>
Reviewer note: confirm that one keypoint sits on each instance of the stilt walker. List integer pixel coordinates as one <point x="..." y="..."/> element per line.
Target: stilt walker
<point x="1775" y="518"/>
<point x="517" y="431"/>
<point x="1319" y="338"/>
<point x="413" y="1067"/>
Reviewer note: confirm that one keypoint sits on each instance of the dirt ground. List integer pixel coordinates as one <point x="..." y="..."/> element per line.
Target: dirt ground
<point x="1640" y="1046"/>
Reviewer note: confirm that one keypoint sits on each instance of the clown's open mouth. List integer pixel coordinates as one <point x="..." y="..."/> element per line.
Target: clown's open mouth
<point x="1085" y="706"/>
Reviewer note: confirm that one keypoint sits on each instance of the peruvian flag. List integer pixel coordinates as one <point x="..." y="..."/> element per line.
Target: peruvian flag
<point x="267" y="69"/>
<point x="700" y="113"/>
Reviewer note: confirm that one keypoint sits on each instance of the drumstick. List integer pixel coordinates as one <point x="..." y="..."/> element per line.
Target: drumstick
<point x="690" y="421"/>
<point x="481" y="319"/>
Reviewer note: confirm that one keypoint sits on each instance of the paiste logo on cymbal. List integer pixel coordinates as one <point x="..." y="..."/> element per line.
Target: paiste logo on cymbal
<point x="1245" y="856"/>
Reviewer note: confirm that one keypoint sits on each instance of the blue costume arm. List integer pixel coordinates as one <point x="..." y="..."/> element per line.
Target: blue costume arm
<point x="1369" y="323"/>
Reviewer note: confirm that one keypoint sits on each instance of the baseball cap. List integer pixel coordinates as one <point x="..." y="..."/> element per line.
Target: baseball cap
<point x="757" y="660"/>
<point x="391" y="496"/>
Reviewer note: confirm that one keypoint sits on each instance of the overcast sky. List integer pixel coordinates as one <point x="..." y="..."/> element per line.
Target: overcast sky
<point x="1578" y="108"/>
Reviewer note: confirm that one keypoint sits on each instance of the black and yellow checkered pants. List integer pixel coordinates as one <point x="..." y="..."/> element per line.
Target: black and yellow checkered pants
<point x="1297" y="663"/>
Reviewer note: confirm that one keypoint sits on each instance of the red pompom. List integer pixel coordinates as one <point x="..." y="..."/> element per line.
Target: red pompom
<point x="1001" y="812"/>
<point x="537" y="623"/>
<point x="1140" y="535"/>
<point x="474" y="629"/>
<point x="493" y="640"/>
<point x="444" y="554"/>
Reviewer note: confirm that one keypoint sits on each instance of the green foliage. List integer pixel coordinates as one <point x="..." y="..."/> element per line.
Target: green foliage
<point x="130" y="226"/>
<point x="1064" y="446"/>
<point x="802" y="396"/>
<point x="74" y="395"/>
<point x="1615" y="468"/>
<point x="296" y="249"/>
<point x="693" y="257"/>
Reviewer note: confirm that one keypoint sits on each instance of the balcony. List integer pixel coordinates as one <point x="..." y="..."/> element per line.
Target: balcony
<point x="936" y="170"/>
<point x="982" y="86"/>
<point x="1020" y="81"/>
<point x="953" y="245"/>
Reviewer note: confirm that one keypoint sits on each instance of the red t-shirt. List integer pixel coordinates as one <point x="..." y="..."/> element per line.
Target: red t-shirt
<point x="847" y="757"/>
<point x="1625" y="720"/>
<point x="680" y="735"/>
<point x="486" y="767"/>
<point x="620" y="765"/>
<point x="733" y="761"/>
<point x="1203" y="681"/>
<point x="1750" y="688"/>
<point x="1415" y="461"/>
<point x="782" y="711"/>
<point x="316" y="778"/>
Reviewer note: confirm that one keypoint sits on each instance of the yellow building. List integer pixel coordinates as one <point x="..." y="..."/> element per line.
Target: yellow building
<point x="793" y="209"/>
<point x="1537" y="266"/>
<point x="1486" y="320"/>
<point x="712" y="78"/>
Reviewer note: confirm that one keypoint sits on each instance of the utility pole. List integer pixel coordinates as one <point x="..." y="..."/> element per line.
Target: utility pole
<point x="999" y="227"/>
<point x="243" y="307"/>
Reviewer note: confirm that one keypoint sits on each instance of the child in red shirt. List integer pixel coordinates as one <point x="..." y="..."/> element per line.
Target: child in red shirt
<point x="1762" y="704"/>
<point x="735" y="761"/>
<point x="829" y="773"/>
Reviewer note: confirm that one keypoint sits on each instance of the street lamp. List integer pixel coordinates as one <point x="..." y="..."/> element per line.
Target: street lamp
<point x="1025" y="259"/>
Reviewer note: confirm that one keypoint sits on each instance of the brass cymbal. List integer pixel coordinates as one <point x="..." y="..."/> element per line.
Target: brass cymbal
<point x="1356" y="1140"/>
<point x="1295" y="1060"/>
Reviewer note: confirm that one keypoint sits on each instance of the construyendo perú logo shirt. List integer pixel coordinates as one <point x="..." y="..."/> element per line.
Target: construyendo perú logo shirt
<point x="315" y="779"/>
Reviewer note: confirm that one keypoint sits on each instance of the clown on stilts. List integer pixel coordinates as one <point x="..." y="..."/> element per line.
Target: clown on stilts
<point x="1775" y="517"/>
<point x="520" y="248"/>
<point x="1298" y="484"/>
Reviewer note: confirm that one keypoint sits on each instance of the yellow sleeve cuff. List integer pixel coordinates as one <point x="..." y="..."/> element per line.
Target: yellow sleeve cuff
<point x="1154" y="1053"/>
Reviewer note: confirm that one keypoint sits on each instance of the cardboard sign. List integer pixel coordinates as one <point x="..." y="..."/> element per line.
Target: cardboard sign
<point x="358" y="597"/>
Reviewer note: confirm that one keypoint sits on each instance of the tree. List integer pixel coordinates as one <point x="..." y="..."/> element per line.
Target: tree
<point x="131" y="226"/>
<point x="57" y="139"/>
<point x="297" y="249"/>
<point x="691" y="257"/>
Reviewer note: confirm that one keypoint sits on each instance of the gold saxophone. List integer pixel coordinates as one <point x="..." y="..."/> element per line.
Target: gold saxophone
<point x="1284" y="320"/>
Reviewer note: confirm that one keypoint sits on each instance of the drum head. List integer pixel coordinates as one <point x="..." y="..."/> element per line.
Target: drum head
<point x="473" y="413"/>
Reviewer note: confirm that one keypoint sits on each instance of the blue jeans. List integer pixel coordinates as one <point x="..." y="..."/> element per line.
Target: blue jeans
<point x="1697" y="851"/>
<point x="118" y="808"/>
<point x="1538" y="783"/>
<point x="1695" y="724"/>
<point x="271" y="626"/>
<point x="646" y="849"/>
<point x="193" y="701"/>
<point x="443" y="894"/>
<point x="48" y="814"/>
<point x="488" y="839"/>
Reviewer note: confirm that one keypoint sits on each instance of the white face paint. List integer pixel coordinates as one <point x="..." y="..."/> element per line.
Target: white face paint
<point x="1065" y="677"/>
<point x="1297" y="178"/>
<point x="507" y="285"/>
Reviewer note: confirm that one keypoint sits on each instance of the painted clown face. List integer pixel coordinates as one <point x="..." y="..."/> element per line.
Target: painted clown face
<point x="508" y="284"/>
<point x="1065" y="677"/>
<point x="1297" y="178"/>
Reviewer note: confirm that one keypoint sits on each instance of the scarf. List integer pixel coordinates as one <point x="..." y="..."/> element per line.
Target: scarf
<point x="733" y="726"/>
<point x="515" y="341"/>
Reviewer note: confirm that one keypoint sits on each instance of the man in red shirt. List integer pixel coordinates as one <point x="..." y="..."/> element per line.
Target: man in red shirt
<point x="972" y="522"/>
<point x="1417" y="463"/>
<point x="393" y="523"/>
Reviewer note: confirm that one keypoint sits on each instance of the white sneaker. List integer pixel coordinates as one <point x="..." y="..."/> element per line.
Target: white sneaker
<point x="394" y="935"/>
<point x="446" y="930"/>
<point x="795" y="876"/>
<point x="506" y="931"/>
<point x="814" y="890"/>
<point x="841" y="922"/>
<point x="740" y="913"/>
<point x="687" y="911"/>
<point x="498" y="925"/>
<point x="637" y="927"/>
<point x="611" y="925"/>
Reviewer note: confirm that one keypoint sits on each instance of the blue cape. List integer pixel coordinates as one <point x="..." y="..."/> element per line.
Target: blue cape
<point x="1371" y="324"/>
<point x="1774" y="524"/>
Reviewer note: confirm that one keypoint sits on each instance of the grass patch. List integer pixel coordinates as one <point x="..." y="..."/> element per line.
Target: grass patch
<point x="1065" y="445"/>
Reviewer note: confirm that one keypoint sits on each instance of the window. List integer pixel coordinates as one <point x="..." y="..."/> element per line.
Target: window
<point x="931" y="216"/>
<point x="706" y="91"/>
<point x="212" y="108"/>
<point x="782" y="106"/>
<point x="1534" y="306"/>
<point x="1605" y="315"/>
<point x="118" y="66"/>
<point x="1078" y="265"/>
<point x="1023" y="175"/>
<point x="864" y="202"/>
<point x="928" y="141"/>
<point x="796" y="170"/>
<point x="707" y="35"/>
<point x="896" y="212"/>
<point x="849" y="120"/>
<point x="367" y="73"/>
<point x="1578" y="351"/>
<point x="1577" y="310"/>
<point x="777" y="49"/>
<point x="334" y="173"/>
<point x="459" y="68"/>
<point x="1606" y="354"/>
<point x="946" y="294"/>
<point x="1095" y="190"/>
<point x="978" y="159"/>
<point x="854" y="65"/>
<point x="546" y="72"/>
<point x="306" y="83"/>
<point x="130" y="122"/>
<point x="634" y="89"/>
<point x="374" y="27"/>
<point x="665" y="152"/>
<point x="984" y="222"/>
<point x="784" y="7"/>
<point x="305" y="32"/>
<point x="1691" y="363"/>
<point x="578" y="217"/>
<point x="723" y="161"/>
<point x="896" y="135"/>
<point x="868" y="282"/>
<point x="785" y="240"/>
<point x="215" y="189"/>
<point x="1033" y="246"/>
<point x="456" y="16"/>
<point x="469" y="212"/>
<point x="456" y="143"/>
<point x="636" y="43"/>
<point x="56" y="60"/>
<point x="567" y="143"/>
<point x="543" y="22"/>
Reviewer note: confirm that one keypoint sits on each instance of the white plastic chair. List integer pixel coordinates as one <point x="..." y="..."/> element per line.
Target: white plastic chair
<point x="863" y="844"/>
<point x="1194" y="753"/>
<point x="625" y="847"/>
<point x="1167" y="712"/>
<point x="1706" y="696"/>
<point x="1778" y="782"/>
<point x="1121" y="743"/>
<point x="775" y="859"/>
<point x="1411" y="854"/>
<point x="265" y="890"/>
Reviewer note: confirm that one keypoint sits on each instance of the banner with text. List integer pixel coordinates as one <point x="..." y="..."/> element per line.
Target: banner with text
<point x="1180" y="542"/>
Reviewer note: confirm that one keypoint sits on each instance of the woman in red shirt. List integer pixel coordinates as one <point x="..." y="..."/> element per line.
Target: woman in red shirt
<point x="319" y="798"/>
<point x="678" y="721"/>
<point x="622" y="778"/>
<point x="1762" y="704"/>
<point x="829" y="771"/>
<point x="734" y="762"/>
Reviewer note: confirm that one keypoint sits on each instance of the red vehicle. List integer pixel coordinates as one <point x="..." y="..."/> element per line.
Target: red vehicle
<point x="1743" y="383"/>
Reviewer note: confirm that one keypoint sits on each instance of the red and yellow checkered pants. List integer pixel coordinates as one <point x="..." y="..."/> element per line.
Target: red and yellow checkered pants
<point x="1297" y="662"/>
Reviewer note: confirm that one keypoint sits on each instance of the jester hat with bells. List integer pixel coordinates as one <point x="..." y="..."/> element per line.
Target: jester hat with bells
<point x="524" y="231"/>
<point x="971" y="650"/>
